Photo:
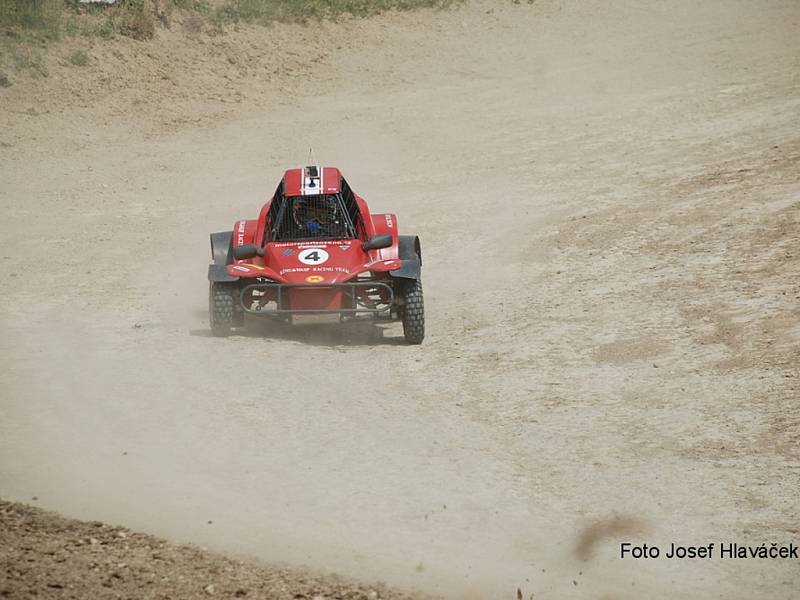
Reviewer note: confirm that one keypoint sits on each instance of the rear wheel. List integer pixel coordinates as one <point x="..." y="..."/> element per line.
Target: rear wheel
<point x="224" y="312"/>
<point x="412" y="312"/>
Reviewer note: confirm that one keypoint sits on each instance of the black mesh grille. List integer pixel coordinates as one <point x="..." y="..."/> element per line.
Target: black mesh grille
<point x="274" y="213"/>
<point x="320" y="217"/>
<point x="349" y="201"/>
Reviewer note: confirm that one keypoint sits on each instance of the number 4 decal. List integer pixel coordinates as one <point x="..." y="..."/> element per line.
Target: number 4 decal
<point x="313" y="256"/>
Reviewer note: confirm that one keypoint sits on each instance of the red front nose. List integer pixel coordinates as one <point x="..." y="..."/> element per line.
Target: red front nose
<point x="305" y="299"/>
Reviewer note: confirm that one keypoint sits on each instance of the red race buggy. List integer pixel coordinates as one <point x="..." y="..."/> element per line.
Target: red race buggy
<point x="316" y="249"/>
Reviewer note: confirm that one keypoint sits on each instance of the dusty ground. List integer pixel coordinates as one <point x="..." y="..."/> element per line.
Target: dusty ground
<point x="608" y="195"/>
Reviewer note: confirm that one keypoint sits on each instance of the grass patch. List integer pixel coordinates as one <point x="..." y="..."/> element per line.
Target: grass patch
<point x="79" y="58"/>
<point x="140" y="19"/>
<point x="27" y="58"/>
<point x="52" y="18"/>
<point x="264" y="12"/>
<point x="43" y="16"/>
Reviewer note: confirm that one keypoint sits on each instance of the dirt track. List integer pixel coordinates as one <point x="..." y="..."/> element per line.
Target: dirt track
<point x="608" y="199"/>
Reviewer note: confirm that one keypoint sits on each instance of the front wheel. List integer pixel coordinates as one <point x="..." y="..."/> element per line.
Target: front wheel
<point x="223" y="311"/>
<point x="412" y="312"/>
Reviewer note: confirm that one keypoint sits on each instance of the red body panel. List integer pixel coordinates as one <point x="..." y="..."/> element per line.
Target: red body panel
<point x="364" y="210"/>
<point x="293" y="182"/>
<point x="386" y="223"/>
<point x="331" y="180"/>
<point x="315" y="299"/>
<point x="244" y="232"/>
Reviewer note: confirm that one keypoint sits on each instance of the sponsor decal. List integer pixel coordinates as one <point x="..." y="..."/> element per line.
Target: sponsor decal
<point x="313" y="256"/>
<point x="315" y="269"/>
<point x="316" y="244"/>
<point x="315" y="278"/>
<point x="330" y="269"/>
<point x="344" y="246"/>
<point x="295" y="270"/>
<point x="389" y="221"/>
<point x="288" y="252"/>
<point x="247" y="267"/>
<point x="240" y="231"/>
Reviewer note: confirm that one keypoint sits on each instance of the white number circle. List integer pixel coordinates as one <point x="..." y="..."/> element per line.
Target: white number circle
<point x="313" y="256"/>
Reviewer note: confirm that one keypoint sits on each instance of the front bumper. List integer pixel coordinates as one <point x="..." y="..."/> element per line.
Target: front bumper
<point x="347" y="299"/>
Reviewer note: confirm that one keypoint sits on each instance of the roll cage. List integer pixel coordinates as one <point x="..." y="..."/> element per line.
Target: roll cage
<point x="282" y="226"/>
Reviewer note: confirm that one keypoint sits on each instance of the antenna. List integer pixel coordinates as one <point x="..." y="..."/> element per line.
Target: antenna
<point x="312" y="157"/>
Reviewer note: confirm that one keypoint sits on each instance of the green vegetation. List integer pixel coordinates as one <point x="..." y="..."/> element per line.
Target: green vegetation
<point x="43" y="16"/>
<point x="140" y="18"/>
<point x="79" y="58"/>
<point x="30" y="58"/>
<point x="266" y="11"/>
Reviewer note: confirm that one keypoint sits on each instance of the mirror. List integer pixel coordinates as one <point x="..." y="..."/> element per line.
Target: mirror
<point x="247" y="251"/>
<point x="376" y="242"/>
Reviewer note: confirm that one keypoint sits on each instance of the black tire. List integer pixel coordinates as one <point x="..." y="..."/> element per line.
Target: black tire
<point x="412" y="312"/>
<point x="224" y="312"/>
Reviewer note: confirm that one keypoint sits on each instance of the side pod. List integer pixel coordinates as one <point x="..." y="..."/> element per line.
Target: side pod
<point x="221" y="247"/>
<point x="222" y="255"/>
<point x="409" y="269"/>
<point x="220" y="273"/>
<point x="410" y="251"/>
